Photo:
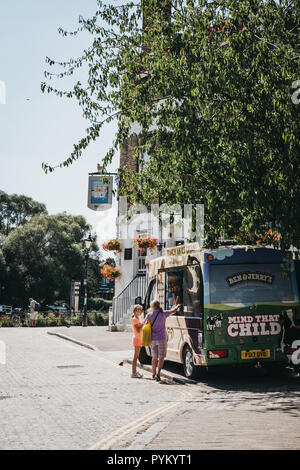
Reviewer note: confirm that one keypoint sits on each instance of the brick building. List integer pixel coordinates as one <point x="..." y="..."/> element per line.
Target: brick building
<point x="132" y="262"/>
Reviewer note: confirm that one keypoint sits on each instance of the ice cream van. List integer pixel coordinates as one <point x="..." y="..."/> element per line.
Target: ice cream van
<point x="239" y="305"/>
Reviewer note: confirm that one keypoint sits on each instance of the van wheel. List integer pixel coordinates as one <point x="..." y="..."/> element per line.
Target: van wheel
<point x="143" y="357"/>
<point x="190" y="370"/>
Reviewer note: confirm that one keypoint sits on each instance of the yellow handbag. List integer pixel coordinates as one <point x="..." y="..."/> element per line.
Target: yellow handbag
<point x="146" y="330"/>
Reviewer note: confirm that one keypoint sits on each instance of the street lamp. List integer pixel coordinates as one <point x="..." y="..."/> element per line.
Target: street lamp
<point x="87" y="246"/>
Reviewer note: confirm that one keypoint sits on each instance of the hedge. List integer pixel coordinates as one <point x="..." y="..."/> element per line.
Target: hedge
<point x="94" y="319"/>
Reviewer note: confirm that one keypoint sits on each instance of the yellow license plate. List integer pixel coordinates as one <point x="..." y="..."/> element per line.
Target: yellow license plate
<point x="256" y="354"/>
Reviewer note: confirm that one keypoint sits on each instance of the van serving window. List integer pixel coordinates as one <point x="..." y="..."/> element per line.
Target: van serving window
<point x="173" y="288"/>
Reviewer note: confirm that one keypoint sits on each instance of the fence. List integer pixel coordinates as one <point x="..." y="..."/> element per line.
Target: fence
<point x="121" y="306"/>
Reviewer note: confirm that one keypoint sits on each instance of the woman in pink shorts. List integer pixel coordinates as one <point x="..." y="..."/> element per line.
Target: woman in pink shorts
<point x="137" y="338"/>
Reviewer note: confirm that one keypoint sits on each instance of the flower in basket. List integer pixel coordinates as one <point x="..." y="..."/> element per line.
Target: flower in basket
<point x="112" y="245"/>
<point x="271" y="237"/>
<point x="110" y="272"/>
<point x="143" y="243"/>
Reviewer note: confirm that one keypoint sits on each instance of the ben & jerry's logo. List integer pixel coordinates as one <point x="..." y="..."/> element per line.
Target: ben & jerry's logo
<point x="246" y="276"/>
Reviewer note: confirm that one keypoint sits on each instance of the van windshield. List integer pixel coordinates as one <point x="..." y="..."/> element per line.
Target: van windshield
<point x="251" y="283"/>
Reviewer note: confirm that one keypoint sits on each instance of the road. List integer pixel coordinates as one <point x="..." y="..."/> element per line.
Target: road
<point x="58" y="395"/>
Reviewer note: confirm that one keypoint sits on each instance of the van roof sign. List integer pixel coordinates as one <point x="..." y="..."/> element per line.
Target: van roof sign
<point x="183" y="249"/>
<point x="174" y="256"/>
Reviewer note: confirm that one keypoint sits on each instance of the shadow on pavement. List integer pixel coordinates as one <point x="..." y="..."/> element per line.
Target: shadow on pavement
<point x="243" y="379"/>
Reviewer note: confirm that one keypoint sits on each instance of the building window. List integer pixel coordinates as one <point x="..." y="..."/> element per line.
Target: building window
<point x="141" y="262"/>
<point x="127" y="253"/>
<point x="141" y="257"/>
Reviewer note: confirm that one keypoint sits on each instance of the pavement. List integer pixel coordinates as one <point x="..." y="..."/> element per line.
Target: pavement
<point x="225" y="412"/>
<point x="63" y="388"/>
<point x="55" y="394"/>
<point x="115" y="345"/>
<point x="98" y="336"/>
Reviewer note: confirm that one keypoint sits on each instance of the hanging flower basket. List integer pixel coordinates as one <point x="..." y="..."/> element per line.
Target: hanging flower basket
<point x="271" y="237"/>
<point x="110" y="272"/>
<point x="143" y="243"/>
<point x="112" y="245"/>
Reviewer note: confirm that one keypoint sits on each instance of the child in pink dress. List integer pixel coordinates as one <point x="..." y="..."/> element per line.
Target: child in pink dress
<point x="137" y="338"/>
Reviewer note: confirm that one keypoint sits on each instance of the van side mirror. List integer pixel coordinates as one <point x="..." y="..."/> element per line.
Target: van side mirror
<point x="138" y="300"/>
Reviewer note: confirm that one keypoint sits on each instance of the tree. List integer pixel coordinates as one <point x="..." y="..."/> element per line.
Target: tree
<point x="42" y="257"/>
<point x="93" y="275"/>
<point x="16" y="210"/>
<point x="209" y="85"/>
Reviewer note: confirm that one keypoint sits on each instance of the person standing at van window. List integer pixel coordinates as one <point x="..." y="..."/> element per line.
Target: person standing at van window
<point x="159" y="336"/>
<point x="33" y="312"/>
<point x="137" y="338"/>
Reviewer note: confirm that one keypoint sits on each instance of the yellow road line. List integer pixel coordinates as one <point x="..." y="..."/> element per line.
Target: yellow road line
<point x="108" y="442"/>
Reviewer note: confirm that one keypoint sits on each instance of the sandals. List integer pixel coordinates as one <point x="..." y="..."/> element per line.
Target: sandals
<point x="136" y="376"/>
<point x="156" y="377"/>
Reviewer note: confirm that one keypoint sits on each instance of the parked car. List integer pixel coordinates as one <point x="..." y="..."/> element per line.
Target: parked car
<point x="6" y="309"/>
<point x="57" y="309"/>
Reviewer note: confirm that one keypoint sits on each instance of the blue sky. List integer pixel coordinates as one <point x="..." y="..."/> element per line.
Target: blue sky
<point x="37" y="127"/>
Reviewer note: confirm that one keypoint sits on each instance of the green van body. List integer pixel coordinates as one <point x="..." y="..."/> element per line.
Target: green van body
<point x="256" y="314"/>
